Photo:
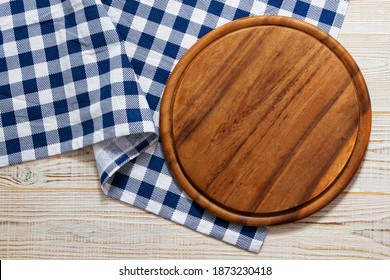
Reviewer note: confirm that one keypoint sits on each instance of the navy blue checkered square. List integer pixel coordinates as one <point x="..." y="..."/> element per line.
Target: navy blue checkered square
<point x="301" y="8"/>
<point x="327" y="16"/>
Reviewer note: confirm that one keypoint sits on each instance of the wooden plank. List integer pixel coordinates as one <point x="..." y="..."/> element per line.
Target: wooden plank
<point x="366" y="35"/>
<point x="374" y="61"/>
<point x="374" y="174"/>
<point x="73" y="170"/>
<point x="367" y="17"/>
<point x="76" y="224"/>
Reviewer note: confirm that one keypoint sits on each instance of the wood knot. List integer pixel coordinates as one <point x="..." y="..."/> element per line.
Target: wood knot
<point x="26" y="175"/>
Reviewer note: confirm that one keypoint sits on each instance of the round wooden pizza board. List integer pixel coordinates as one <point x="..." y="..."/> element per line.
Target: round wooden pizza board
<point x="265" y="120"/>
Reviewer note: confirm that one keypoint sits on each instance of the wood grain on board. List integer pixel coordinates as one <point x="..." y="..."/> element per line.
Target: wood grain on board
<point x="54" y="208"/>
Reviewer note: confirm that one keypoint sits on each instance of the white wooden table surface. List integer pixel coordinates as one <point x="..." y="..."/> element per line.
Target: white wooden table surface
<point x="54" y="208"/>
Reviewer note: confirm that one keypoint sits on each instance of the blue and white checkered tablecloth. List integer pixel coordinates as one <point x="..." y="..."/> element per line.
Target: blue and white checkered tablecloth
<point x="80" y="72"/>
